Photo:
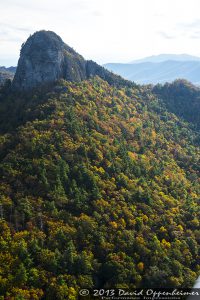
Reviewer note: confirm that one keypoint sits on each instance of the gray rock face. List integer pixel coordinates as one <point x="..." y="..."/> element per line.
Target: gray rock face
<point x="45" y="58"/>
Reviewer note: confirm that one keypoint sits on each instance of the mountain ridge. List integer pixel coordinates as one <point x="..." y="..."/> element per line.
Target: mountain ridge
<point x="99" y="187"/>
<point x="159" y="72"/>
<point x="45" y="58"/>
<point x="6" y="74"/>
<point x="165" y="57"/>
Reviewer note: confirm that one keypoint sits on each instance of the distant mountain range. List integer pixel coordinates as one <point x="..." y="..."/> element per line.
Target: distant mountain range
<point x="159" y="69"/>
<point x="6" y="73"/>
<point x="165" y="57"/>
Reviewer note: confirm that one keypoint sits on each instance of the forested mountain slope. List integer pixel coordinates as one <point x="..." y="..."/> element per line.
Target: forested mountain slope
<point x="99" y="188"/>
<point x="182" y="98"/>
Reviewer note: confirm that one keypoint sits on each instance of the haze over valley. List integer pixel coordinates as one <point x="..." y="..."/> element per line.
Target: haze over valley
<point x="159" y="69"/>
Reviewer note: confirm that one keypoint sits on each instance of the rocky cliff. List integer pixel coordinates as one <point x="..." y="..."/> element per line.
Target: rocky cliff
<point x="45" y="58"/>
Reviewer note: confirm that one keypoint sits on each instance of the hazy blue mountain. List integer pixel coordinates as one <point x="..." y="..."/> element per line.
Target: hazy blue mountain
<point x="158" y="72"/>
<point x="9" y="69"/>
<point x="165" y="57"/>
<point x="6" y="73"/>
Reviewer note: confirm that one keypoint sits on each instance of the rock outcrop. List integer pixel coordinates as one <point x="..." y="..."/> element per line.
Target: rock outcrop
<point x="45" y="58"/>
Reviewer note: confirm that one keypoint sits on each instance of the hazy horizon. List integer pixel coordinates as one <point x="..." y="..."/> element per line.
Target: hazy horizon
<point x="103" y="30"/>
<point x="137" y="60"/>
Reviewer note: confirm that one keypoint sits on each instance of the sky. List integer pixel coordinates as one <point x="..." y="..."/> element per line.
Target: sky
<point x="103" y="30"/>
